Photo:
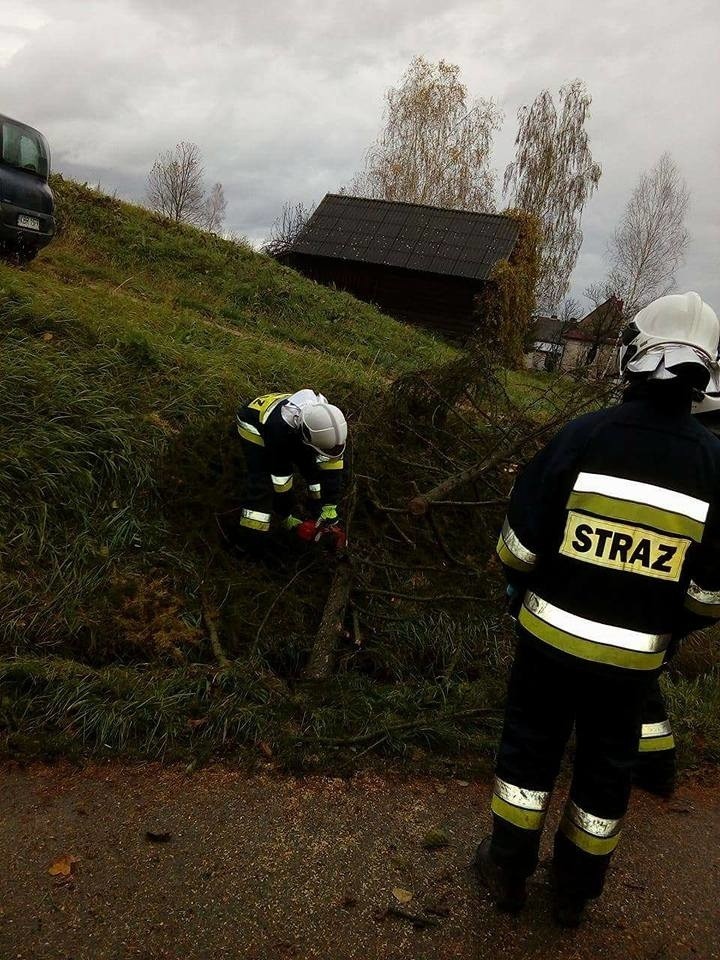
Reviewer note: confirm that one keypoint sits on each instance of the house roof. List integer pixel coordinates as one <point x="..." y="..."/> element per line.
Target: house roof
<point x="548" y="329"/>
<point x="601" y="325"/>
<point x="410" y="235"/>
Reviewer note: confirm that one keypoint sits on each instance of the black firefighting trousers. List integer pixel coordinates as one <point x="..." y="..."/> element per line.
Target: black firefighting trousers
<point x="547" y="696"/>
<point x="655" y="769"/>
<point x="260" y="499"/>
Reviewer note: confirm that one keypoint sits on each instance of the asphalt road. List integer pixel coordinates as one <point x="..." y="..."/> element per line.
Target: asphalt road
<point x="223" y="865"/>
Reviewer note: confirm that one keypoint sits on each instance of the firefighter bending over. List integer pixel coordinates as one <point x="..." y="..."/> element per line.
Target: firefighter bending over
<point x="611" y="548"/>
<point x="282" y="432"/>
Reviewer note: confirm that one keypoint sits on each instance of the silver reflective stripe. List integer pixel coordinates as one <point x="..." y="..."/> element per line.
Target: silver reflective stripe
<point x="248" y="426"/>
<point x="646" y="493"/>
<point x="595" y="826"/>
<point x="703" y="596"/>
<point x="594" y="631"/>
<point x="520" y="797"/>
<point x="661" y="729"/>
<point x="314" y="487"/>
<point x="280" y="481"/>
<point x="256" y="515"/>
<point x="515" y="546"/>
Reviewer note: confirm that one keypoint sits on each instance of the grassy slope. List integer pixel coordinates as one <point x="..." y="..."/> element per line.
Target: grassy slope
<point x="126" y="348"/>
<point x="128" y="345"/>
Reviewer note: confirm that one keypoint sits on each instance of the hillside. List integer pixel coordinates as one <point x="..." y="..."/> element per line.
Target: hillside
<point x="127" y="346"/>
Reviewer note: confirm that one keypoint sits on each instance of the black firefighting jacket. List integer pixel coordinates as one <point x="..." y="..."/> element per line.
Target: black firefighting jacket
<point x="612" y="536"/>
<point x="261" y="423"/>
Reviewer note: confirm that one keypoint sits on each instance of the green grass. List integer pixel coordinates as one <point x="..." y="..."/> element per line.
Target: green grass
<point x="127" y="346"/>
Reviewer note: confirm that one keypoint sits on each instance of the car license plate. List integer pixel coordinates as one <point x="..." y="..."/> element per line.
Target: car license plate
<point x="30" y="223"/>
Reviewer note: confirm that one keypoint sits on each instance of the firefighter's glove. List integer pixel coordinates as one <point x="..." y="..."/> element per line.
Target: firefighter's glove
<point x="292" y="523"/>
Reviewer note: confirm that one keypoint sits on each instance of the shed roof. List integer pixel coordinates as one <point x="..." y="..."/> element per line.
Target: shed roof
<point x="410" y="235"/>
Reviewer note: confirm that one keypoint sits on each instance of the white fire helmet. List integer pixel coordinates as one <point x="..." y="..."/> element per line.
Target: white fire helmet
<point x="324" y="428"/>
<point x="673" y="335"/>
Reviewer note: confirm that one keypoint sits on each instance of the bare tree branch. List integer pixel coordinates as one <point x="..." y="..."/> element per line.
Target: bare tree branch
<point x="215" y="207"/>
<point x="650" y="241"/>
<point x="175" y="184"/>
<point x="287" y="228"/>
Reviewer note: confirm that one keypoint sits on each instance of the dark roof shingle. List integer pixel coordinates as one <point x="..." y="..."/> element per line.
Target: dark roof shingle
<point x="409" y="235"/>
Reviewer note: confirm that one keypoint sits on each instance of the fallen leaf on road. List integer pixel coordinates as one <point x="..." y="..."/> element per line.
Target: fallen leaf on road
<point x="63" y="866"/>
<point x="402" y="896"/>
<point x="435" y="838"/>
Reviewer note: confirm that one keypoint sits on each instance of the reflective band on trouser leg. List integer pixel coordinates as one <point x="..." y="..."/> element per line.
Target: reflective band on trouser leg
<point x="250" y="433"/>
<point x="591" y="640"/>
<point x="706" y="603"/>
<point x="255" y="520"/>
<point x="656" y="736"/>
<point x="512" y="552"/>
<point x="329" y="463"/>
<point x="315" y="491"/>
<point x="281" y="484"/>
<point x="595" y="835"/>
<point x="519" y="806"/>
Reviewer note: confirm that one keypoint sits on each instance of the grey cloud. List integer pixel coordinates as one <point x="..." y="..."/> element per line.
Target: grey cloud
<point x="284" y="97"/>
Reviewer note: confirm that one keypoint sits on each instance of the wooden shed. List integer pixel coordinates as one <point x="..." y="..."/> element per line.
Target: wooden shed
<point x="422" y="264"/>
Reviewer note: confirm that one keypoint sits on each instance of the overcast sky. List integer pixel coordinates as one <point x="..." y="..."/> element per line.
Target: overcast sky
<point x="284" y="96"/>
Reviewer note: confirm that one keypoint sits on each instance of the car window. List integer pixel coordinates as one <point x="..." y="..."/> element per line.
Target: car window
<point x="24" y="149"/>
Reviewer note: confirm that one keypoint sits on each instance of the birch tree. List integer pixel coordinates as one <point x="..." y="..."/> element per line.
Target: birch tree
<point x="650" y="242"/>
<point x="553" y="176"/>
<point x="436" y="145"/>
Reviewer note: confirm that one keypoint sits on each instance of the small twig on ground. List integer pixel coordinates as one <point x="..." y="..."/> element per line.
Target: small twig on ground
<point x="411" y="596"/>
<point x="211" y="624"/>
<point x="270" y="609"/>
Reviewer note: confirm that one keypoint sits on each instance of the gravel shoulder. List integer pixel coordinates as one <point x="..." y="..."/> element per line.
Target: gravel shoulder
<point x="220" y="864"/>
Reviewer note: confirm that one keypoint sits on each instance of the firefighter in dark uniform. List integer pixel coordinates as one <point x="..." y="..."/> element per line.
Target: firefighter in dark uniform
<point x="611" y="548"/>
<point x="282" y="433"/>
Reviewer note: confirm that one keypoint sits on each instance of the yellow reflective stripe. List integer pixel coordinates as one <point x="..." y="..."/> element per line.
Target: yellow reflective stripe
<point x="330" y="464"/>
<point x="654" y="744"/>
<point x="588" y="649"/>
<point x="509" y="558"/>
<point x="675" y="501"/>
<point x="255" y="519"/>
<point x="254" y="524"/>
<point x="702" y="609"/>
<point x="281" y="484"/>
<point x="586" y="841"/>
<point x="266" y="404"/>
<point x="526" y="819"/>
<point x="632" y="512"/>
<point x="249" y="433"/>
<point x="706" y="603"/>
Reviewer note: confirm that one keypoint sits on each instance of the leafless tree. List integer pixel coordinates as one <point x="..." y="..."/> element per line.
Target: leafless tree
<point x="650" y="241"/>
<point x="435" y="147"/>
<point x="215" y="207"/>
<point x="175" y="184"/>
<point x="286" y="228"/>
<point x="553" y="176"/>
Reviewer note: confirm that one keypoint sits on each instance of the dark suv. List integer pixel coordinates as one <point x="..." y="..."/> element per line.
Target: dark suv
<point x="26" y="202"/>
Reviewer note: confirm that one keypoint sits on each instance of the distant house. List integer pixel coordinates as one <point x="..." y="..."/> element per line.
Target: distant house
<point x="425" y="265"/>
<point x="593" y="341"/>
<point x="548" y="342"/>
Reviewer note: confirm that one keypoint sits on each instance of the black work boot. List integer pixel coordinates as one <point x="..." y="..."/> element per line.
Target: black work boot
<point x="507" y="889"/>
<point x="568" y="909"/>
<point x="655" y="777"/>
<point x="568" y="904"/>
